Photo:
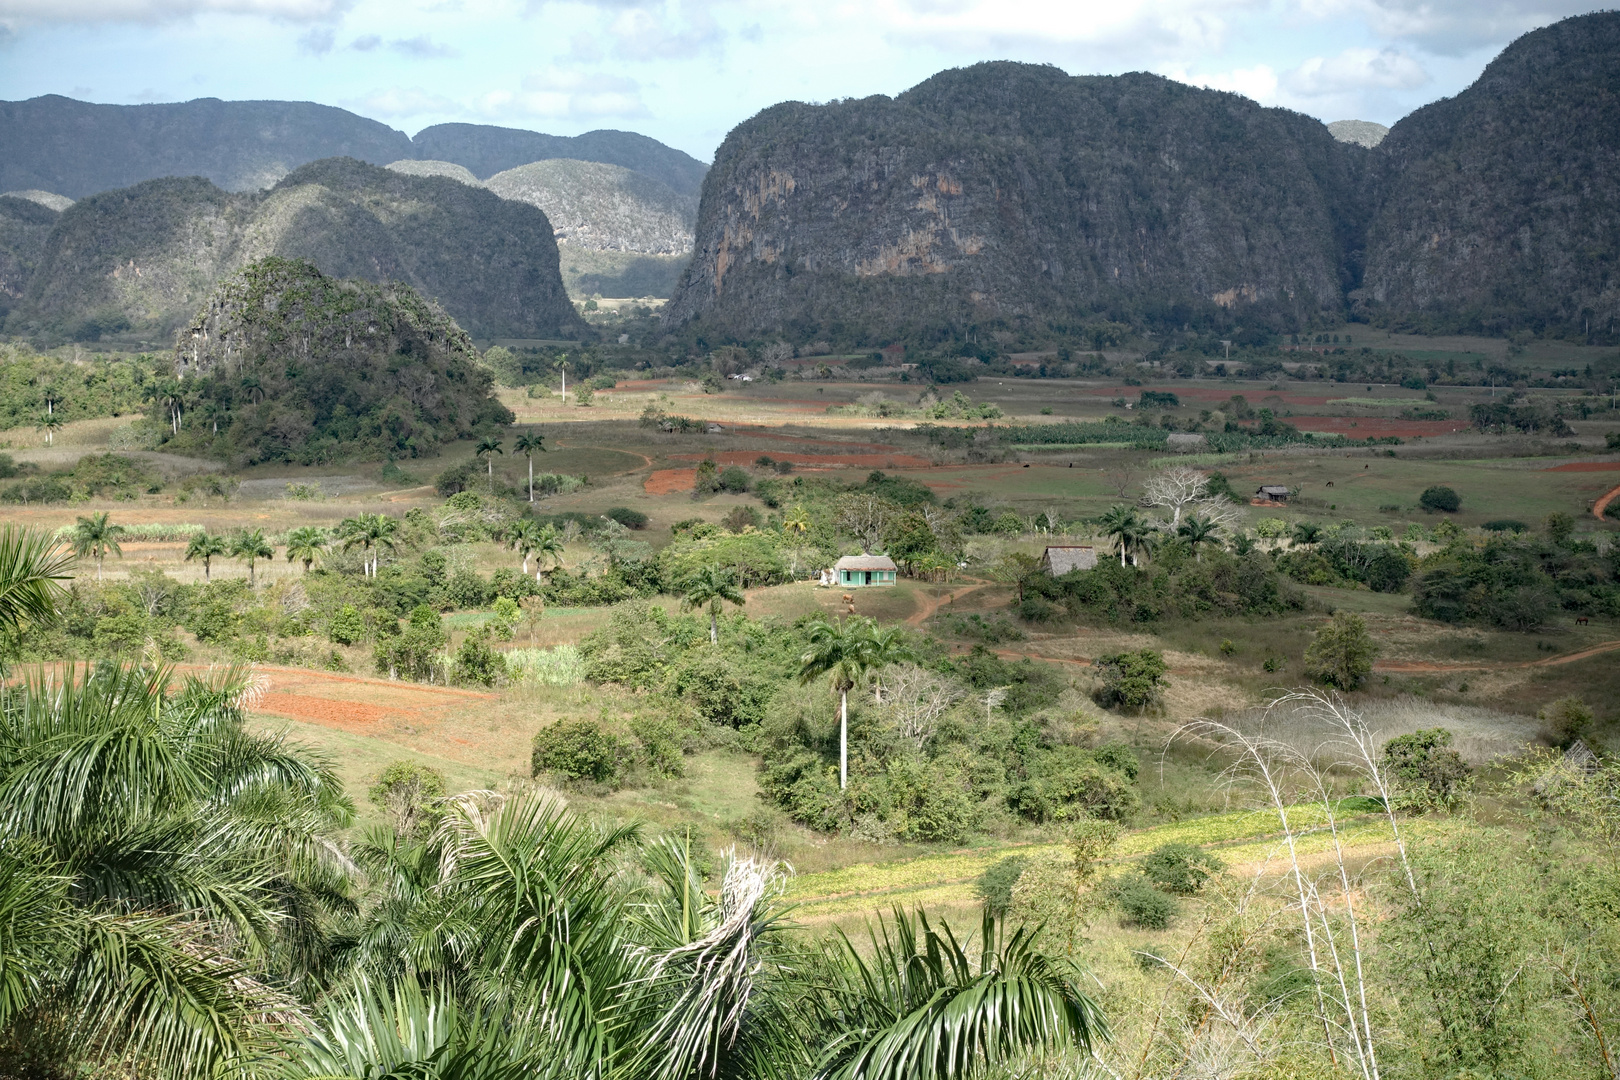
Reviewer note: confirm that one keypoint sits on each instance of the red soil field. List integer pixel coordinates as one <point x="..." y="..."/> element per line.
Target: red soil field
<point x="1586" y="466"/>
<point x="669" y="481"/>
<point x="1368" y="427"/>
<point x="864" y="461"/>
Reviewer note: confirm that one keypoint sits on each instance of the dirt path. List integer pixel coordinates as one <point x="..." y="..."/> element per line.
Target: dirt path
<point x="1603" y="502"/>
<point x="1551" y="661"/>
<point x="931" y="604"/>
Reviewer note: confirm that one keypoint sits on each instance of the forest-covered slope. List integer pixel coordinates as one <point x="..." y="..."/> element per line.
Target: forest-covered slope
<point x="24" y="227"/>
<point x="145" y="258"/>
<point x="285" y="363"/>
<point x="1018" y="193"/>
<point x="1011" y="191"/>
<point x="1500" y="207"/>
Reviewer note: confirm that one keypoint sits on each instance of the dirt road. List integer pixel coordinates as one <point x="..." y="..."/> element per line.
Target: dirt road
<point x="1603" y="502"/>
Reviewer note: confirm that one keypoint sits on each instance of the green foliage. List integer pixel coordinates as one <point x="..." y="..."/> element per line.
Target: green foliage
<point x="1567" y="719"/>
<point x="77" y="390"/>
<point x="1342" y="652"/>
<point x="1180" y="869"/>
<point x="630" y="519"/>
<point x="412" y="794"/>
<point x="1132" y="680"/>
<point x="580" y="750"/>
<point x="92" y="476"/>
<point x="1440" y="498"/>
<point x="417" y="652"/>
<point x="347" y="627"/>
<point x="1426" y="769"/>
<point x="360" y="345"/>
<point x="1141" y="904"/>
<point x="477" y="662"/>
<point x="1515" y="582"/>
<point x="995" y="886"/>
<point x="1177" y="585"/>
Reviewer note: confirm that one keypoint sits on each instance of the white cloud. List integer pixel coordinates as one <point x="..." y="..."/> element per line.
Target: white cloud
<point x="317" y="41"/>
<point x="366" y="43"/>
<point x="1355" y="70"/>
<point x="642" y="34"/>
<point x="564" y="94"/>
<point x="422" y="46"/>
<point x="19" y="12"/>
<point x="1258" y="82"/>
<point x="396" y="101"/>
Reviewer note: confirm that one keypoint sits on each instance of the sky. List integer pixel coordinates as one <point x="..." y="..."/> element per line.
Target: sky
<point x="686" y="71"/>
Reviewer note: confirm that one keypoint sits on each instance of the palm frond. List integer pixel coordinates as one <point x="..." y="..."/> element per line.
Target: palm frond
<point x="32" y="567"/>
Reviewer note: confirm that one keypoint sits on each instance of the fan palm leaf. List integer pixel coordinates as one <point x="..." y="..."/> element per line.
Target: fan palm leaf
<point x="32" y="567"/>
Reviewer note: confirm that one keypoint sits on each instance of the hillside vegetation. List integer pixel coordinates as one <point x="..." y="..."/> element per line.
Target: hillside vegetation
<point x="286" y="363"/>
<point x="1018" y="194"/>
<point x="144" y="259"/>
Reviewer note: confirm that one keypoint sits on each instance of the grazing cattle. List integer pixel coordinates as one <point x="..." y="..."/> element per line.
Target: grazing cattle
<point x="1366" y="466"/>
<point x="848" y="599"/>
<point x="1330" y="483"/>
<point x="1582" y="620"/>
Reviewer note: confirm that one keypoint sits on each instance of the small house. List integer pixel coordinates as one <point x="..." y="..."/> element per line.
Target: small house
<point x="1058" y="560"/>
<point x="865" y="570"/>
<point x="713" y="429"/>
<point x="1272" y="493"/>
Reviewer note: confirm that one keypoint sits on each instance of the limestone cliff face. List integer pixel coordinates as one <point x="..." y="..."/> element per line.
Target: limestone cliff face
<point x="146" y="257"/>
<point x="1500" y="207"/>
<point x="1011" y="191"/>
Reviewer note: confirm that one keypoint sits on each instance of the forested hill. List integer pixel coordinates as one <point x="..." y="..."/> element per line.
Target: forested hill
<point x="145" y="258"/>
<point x="1008" y="190"/>
<point x="1014" y="192"/>
<point x="1501" y="206"/>
<point x="75" y="148"/>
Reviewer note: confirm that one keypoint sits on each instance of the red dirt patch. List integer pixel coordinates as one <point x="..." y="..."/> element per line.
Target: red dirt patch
<point x="329" y="699"/>
<point x="669" y="481"/>
<point x="1586" y="466"/>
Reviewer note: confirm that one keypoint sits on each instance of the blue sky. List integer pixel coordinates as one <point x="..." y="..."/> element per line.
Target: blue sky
<point x="686" y="71"/>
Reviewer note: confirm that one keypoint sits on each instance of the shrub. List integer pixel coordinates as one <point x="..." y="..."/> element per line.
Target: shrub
<point x="559" y="666"/>
<point x="1133" y="680"/>
<point x="1271" y="528"/>
<point x="1182" y="869"/>
<point x="579" y="750"/>
<point x="663" y="748"/>
<point x="411" y="794"/>
<point x="1440" y="498"/>
<point x="995" y="885"/>
<point x="1342" y="652"/>
<point x="347" y="626"/>
<point x="630" y="519"/>
<point x="458" y="478"/>
<point x="1567" y="719"/>
<point x="1141" y="904"/>
<point x="1425" y="765"/>
<point x="477" y="661"/>
<point x="734" y="479"/>
<point x="1121" y="758"/>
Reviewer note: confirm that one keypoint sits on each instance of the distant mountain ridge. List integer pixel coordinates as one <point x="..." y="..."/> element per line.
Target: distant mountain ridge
<point x="143" y="259"/>
<point x="1017" y="195"/>
<point x="75" y="148"/>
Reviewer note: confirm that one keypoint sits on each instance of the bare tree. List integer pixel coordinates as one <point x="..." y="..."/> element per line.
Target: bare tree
<point x="866" y="516"/>
<point x="1174" y="489"/>
<point x="915" y="698"/>
<point x="1121" y="478"/>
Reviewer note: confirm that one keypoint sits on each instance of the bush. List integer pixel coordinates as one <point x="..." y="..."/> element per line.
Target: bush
<point x="1141" y="904"/>
<point x="995" y="885"/>
<point x="458" y="478"/>
<point x="1133" y="680"/>
<point x="1342" y="652"/>
<point x="478" y="663"/>
<point x="1121" y="758"/>
<point x="735" y="480"/>
<point x="1425" y="765"/>
<point x="1182" y="869"/>
<point x="630" y="519"/>
<point x="412" y="794"/>
<point x="347" y="626"/>
<point x="579" y="750"/>
<point x="1440" y="498"/>
<point x="1567" y="719"/>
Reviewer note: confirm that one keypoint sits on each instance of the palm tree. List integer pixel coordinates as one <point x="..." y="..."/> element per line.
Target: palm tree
<point x="1307" y="533"/>
<point x="169" y="394"/>
<point x="797" y="521"/>
<point x="1122" y="523"/>
<point x="32" y="565"/>
<point x="126" y="871"/>
<point x="97" y="537"/>
<point x="526" y="445"/>
<point x="50" y="425"/>
<point x="847" y="651"/>
<point x="521" y="537"/>
<point x="548" y="544"/>
<point x="306" y="544"/>
<point x="1196" y="530"/>
<point x="561" y="364"/>
<point x="371" y="533"/>
<point x="206" y="546"/>
<point x="487" y="449"/>
<point x="251" y="544"/>
<point x="712" y="587"/>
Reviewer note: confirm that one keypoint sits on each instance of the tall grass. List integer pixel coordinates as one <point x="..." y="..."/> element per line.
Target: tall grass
<point x="558" y="666"/>
<point x="150" y="531"/>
